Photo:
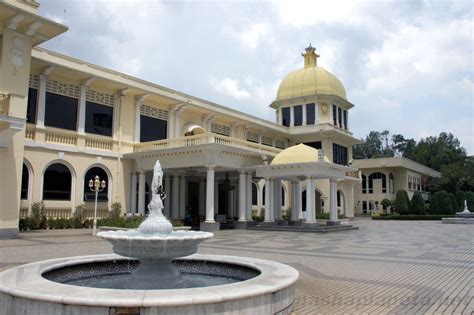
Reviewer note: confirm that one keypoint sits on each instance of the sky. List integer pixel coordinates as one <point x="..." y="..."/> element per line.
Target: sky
<point x="407" y="66"/>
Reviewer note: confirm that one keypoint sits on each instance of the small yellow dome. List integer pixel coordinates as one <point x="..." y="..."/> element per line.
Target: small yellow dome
<point x="300" y="153"/>
<point x="310" y="80"/>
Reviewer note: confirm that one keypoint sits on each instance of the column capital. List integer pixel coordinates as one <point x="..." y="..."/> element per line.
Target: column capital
<point x="210" y="166"/>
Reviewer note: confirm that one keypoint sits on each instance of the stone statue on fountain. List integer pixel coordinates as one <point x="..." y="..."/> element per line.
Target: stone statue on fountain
<point x="156" y="223"/>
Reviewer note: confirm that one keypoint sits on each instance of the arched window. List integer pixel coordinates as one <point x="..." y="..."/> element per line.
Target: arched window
<point x="303" y="200"/>
<point x="338" y="198"/>
<point x="263" y="195"/>
<point x="57" y="182"/>
<point x="364" y="184"/>
<point x="254" y="194"/>
<point x="91" y="174"/>
<point x="25" y="178"/>
<point x="377" y="175"/>
<point x="391" y="183"/>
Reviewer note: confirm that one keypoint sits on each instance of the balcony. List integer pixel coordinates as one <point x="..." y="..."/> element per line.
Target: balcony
<point x="206" y="138"/>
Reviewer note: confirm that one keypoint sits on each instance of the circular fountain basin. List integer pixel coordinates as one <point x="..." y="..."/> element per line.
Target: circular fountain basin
<point x="133" y="243"/>
<point x="26" y="290"/>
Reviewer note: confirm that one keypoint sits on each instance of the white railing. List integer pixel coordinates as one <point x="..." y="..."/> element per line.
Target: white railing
<point x="30" y="133"/>
<point x="98" y="144"/>
<point x="207" y="138"/>
<point x="60" y="138"/>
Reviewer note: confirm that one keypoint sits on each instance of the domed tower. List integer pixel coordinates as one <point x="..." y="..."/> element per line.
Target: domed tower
<point x="312" y="103"/>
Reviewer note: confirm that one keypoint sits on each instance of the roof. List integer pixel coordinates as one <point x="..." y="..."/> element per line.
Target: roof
<point x="395" y="162"/>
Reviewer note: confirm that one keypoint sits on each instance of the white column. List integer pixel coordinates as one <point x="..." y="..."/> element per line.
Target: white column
<point x="133" y="194"/>
<point x="81" y="117"/>
<point x="295" y="200"/>
<point x="177" y="129"/>
<point x="41" y="101"/>
<point x="333" y="200"/>
<point x="168" y="197"/>
<point x="277" y="199"/>
<point x="175" y="197"/>
<point x="202" y="197"/>
<point x="242" y="196"/>
<point x="182" y="197"/>
<point x="310" y="211"/>
<point x="268" y="206"/>
<point x="171" y="121"/>
<point x="248" y="195"/>
<point x="304" y="115"/>
<point x="137" y="121"/>
<point x="210" y="194"/>
<point x="141" y="193"/>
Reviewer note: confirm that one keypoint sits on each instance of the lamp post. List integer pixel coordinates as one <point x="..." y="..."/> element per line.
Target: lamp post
<point x="96" y="186"/>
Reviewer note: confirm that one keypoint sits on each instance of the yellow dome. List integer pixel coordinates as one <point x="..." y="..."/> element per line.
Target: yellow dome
<point x="310" y="80"/>
<point x="300" y="153"/>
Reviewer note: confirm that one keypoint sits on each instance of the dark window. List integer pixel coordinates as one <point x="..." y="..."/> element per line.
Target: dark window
<point x="364" y="206"/>
<point x="57" y="183"/>
<point x="377" y="175"/>
<point x="338" y="198"/>
<point x="298" y="112"/>
<point x="152" y="129"/>
<point x="285" y="116"/>
<point x="334" y="114"/>
<point x="339" y="154"/>
<point x="60" y="112"/>
<point x="91" y="174"/>
<point x="310" y="110"/>
<point x="345" y="120"/>
<point x="282" y="196"/>
<point x="25" y="177"/>
<point x="31" y="109"/>
<point x="316" y="144"/>
<point x="263" y="195"/>
<point x="99" y="119"/>
<point x="254" y="194"/>
<point x="364" y="184"/>
<point x="339" y="116"/>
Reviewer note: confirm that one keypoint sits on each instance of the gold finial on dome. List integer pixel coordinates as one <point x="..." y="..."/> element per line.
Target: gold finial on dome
<point x="310" y="57"/>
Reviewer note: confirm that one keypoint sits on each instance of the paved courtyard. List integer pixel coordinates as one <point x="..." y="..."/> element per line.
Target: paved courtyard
<point x="384" y="267"/>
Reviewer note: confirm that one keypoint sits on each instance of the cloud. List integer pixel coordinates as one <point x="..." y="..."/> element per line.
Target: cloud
<point x="252" y="36"/>
<point x="229" y="87"/>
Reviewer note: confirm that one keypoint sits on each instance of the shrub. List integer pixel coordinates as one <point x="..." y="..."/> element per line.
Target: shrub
<point x="386" y="203"/>
<point x="258" y="217"/>
<point x="286" y="215"/>
<point x="454" y="204"/>
<point x="401" y="202"/>
<point x="116" y="210"/>
<point x="417" y="204"/>
<point x="80" y="212"/>
<point x="409" y="217"/>
<point x="38" y="219"/>
<point x="441" y="203"/>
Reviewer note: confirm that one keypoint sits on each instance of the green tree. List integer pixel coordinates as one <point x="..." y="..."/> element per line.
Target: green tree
<point x="441" y="203"/>
<point x="401" y="202"/>
<point x="417" y="204"/>
<point x="454" y="203"/>
<point x="376" y="145"/>
<point x="405" y="147"/>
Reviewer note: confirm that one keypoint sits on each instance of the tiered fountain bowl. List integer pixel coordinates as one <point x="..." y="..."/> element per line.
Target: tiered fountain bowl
<point x="149" y="274"/>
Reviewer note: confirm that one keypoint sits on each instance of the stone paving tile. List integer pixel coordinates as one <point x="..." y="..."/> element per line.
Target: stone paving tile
<point x="383" y="268"/>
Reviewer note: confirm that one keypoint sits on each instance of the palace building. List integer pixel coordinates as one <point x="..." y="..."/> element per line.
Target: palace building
<point x="63" y="121"/>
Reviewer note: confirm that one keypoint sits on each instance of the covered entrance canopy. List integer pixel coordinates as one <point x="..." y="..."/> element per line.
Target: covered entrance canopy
<point x="299" y="163"/>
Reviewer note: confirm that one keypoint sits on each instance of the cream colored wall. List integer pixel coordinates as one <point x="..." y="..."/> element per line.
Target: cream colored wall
<point x="118" y="172"/>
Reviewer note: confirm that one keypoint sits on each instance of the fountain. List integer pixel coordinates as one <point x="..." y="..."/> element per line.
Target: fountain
<point x="149" y="273"/>
<point x="463" y="217"/>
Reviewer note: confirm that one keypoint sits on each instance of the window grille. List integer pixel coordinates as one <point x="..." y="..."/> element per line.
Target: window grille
<point x="154" y="112"/>
<point x="267" y="140"/>
<point x="99" y="97"/>
<point x="34" y="81"/>
<point x="220" y="129"/>
<point x="252" y="137"/>
<point x="65" y="89"/>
